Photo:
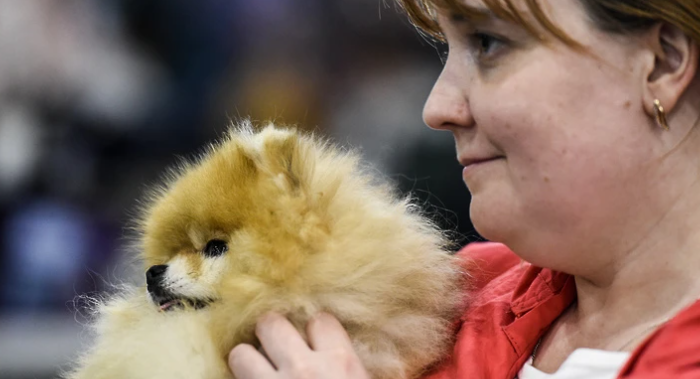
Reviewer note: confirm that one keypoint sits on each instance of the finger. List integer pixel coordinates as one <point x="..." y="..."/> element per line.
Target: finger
<point x="247" y="363"/>
<point x="327" y="333"/>
<point x="281" y="341"/>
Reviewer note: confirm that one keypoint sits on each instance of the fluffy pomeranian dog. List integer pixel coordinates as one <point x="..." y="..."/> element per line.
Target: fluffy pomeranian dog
<point x="278" y="221"/>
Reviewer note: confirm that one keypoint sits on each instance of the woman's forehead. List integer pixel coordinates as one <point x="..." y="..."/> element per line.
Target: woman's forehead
<point x="536" y="18"/>
<point x="533" y="16"/>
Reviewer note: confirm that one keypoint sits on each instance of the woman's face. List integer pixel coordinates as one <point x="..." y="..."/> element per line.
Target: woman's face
<point x="566" y="148"/>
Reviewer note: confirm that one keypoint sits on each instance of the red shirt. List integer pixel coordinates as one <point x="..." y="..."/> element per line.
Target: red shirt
<point x="515" y="303"/>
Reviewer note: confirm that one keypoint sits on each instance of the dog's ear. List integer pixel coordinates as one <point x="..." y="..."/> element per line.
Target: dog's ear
<point x="246" y="160"/>
<point x="284" y="149"/>
<point x="237" y="142"/>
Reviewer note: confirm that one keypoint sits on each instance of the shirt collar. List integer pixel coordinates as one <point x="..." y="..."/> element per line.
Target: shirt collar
<point x="540" y="297"/>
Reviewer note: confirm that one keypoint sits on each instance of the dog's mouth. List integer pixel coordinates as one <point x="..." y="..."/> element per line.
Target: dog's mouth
<point x="167" y="302"/>
<point x="181" y="303"/>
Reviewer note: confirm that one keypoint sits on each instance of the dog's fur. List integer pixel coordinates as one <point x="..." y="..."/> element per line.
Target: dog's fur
<point x="306" y="230"/>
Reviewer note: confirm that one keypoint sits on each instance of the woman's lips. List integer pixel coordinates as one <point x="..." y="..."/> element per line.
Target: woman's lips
<point x="476" y="164"/>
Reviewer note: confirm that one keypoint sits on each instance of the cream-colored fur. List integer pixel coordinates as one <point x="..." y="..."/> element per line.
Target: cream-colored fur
<point x="307" y="230"/>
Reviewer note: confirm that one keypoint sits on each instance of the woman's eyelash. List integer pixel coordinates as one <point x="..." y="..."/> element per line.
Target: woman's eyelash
<point x="442" y="50"/>
<point x="483" y="46"/>
<point x="443" y="53"/>
<point x="485" y="43"/>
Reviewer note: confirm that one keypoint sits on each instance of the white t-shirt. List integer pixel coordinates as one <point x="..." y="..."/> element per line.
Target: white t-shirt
<point x="582" y="364"/>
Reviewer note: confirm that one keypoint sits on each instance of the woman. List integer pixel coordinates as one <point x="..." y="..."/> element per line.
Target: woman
<point x="577" y="124"/>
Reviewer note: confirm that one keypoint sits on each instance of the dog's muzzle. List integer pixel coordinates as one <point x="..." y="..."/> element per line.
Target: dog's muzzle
<point x="165" y="299"/>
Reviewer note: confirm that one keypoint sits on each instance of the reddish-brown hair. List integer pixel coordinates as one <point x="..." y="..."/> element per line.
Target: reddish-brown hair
<point x="615" y="16"/>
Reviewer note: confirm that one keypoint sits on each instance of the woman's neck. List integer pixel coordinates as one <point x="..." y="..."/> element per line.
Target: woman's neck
<point x="653" y="280"/>
<point x="621" y="304"/>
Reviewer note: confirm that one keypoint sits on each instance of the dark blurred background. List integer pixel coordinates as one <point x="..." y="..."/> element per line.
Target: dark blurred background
<point x="97" y="97"/>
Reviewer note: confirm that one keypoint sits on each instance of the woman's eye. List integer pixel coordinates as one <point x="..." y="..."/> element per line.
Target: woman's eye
<point x="215" y="248"/>
<point x="486" y="44"/>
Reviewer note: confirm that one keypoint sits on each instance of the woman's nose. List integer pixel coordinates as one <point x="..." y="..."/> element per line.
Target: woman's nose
<point x="447" y="106"/>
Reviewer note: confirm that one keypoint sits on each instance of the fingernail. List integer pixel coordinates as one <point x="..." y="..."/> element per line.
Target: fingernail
<point x="321" y="316"/>
<point x="232" y="355"/>
<point x="269" y="316"/>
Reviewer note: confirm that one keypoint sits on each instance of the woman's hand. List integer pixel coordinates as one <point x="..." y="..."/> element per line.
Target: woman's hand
<point x="329" y="353"/>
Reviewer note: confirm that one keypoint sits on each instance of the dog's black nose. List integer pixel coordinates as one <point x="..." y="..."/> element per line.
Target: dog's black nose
<point x="155" y="273"/>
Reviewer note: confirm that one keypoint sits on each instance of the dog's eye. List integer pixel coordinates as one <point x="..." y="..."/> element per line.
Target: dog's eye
<point x="215" y="248"/>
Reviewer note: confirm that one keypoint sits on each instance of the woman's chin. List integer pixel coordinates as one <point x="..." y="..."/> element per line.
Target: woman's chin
<point x="491" y="224"/>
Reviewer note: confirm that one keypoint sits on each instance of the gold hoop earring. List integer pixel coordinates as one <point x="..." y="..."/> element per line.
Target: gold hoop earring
<point x="660" y="115"/>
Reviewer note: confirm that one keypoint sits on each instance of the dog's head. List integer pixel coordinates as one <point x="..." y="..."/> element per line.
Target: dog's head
<point x="241" y="213"/>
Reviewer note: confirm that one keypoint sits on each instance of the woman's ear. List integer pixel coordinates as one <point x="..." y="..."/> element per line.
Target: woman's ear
<point x="674" y="67"/>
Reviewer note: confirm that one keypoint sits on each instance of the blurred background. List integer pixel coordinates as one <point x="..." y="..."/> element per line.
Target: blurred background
<point x="97" y="97"/>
